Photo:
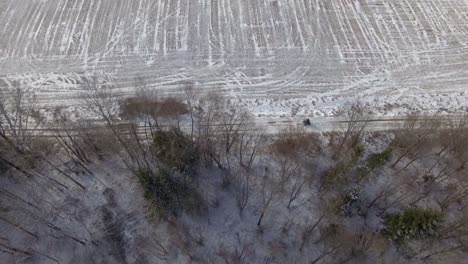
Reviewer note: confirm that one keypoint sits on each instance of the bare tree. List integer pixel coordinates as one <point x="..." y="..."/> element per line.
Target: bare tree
<point x="457" y="141"/>
<point x="22" y="146"/>
<point x="226" y="133"/>
<point x="413" y="140"/>
<point x="20" y="119"/>
<point x="231" y="124"/>
<point x="309" y="229"/>
<point x="332" y="237"/>
<point x="237" y="256"/>
<point x="454" y="193"/>
<point x="20" y="124"/>
<point x="288" y="168"/>
<point x="243" y="188"/>
<point x="462" y="247"/>
<point x="137" y="154"/>
<point x="390" y="186"/>
<point x="359" y="247"/>
<point x="251" y="142"/>
<point x="295" y="187"/>
<point x="207" y="131"/>
<point x="268" y="194"/>
<point x="191" y="99"/>
<point x="357" y="119"/>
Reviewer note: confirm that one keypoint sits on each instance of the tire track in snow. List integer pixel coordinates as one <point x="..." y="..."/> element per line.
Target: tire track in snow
<point x="250" y="48"/>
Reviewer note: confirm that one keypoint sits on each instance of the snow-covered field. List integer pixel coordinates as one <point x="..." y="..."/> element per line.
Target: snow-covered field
<point x="276" y="57"/>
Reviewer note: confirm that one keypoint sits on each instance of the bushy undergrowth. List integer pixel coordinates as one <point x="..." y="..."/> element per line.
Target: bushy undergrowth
<point x="292" y="142"/>
<point x="374" y="162"/>
<point x="338" y="173"/>
<point x="412" y="223"/>
<point x="352" y="204"/>
<point x="377" y="160"/>
<point x="175" y="150"/>
<point x="166" y="108"/>
<point x="170" y="189"/>
<point x="169" y="193"/>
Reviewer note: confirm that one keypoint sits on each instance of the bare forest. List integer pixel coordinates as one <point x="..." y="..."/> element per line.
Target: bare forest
<point x="194" y="179"/>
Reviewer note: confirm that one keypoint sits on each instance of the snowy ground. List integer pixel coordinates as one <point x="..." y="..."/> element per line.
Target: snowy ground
<point x="107" y="221"/>
<point x="276" y="57"/>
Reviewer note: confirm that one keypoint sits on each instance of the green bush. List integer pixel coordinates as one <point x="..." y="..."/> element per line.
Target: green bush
<point x="168" y="193"/>
<point x="374" y="161"/>
<point x="338" y="173"/>
<point x="379" y="159"/>
<point x="357" y="153"/>
<point x="170" y="190"/>
<point x="412" y="223"/>
<point x="175" y="150"/>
